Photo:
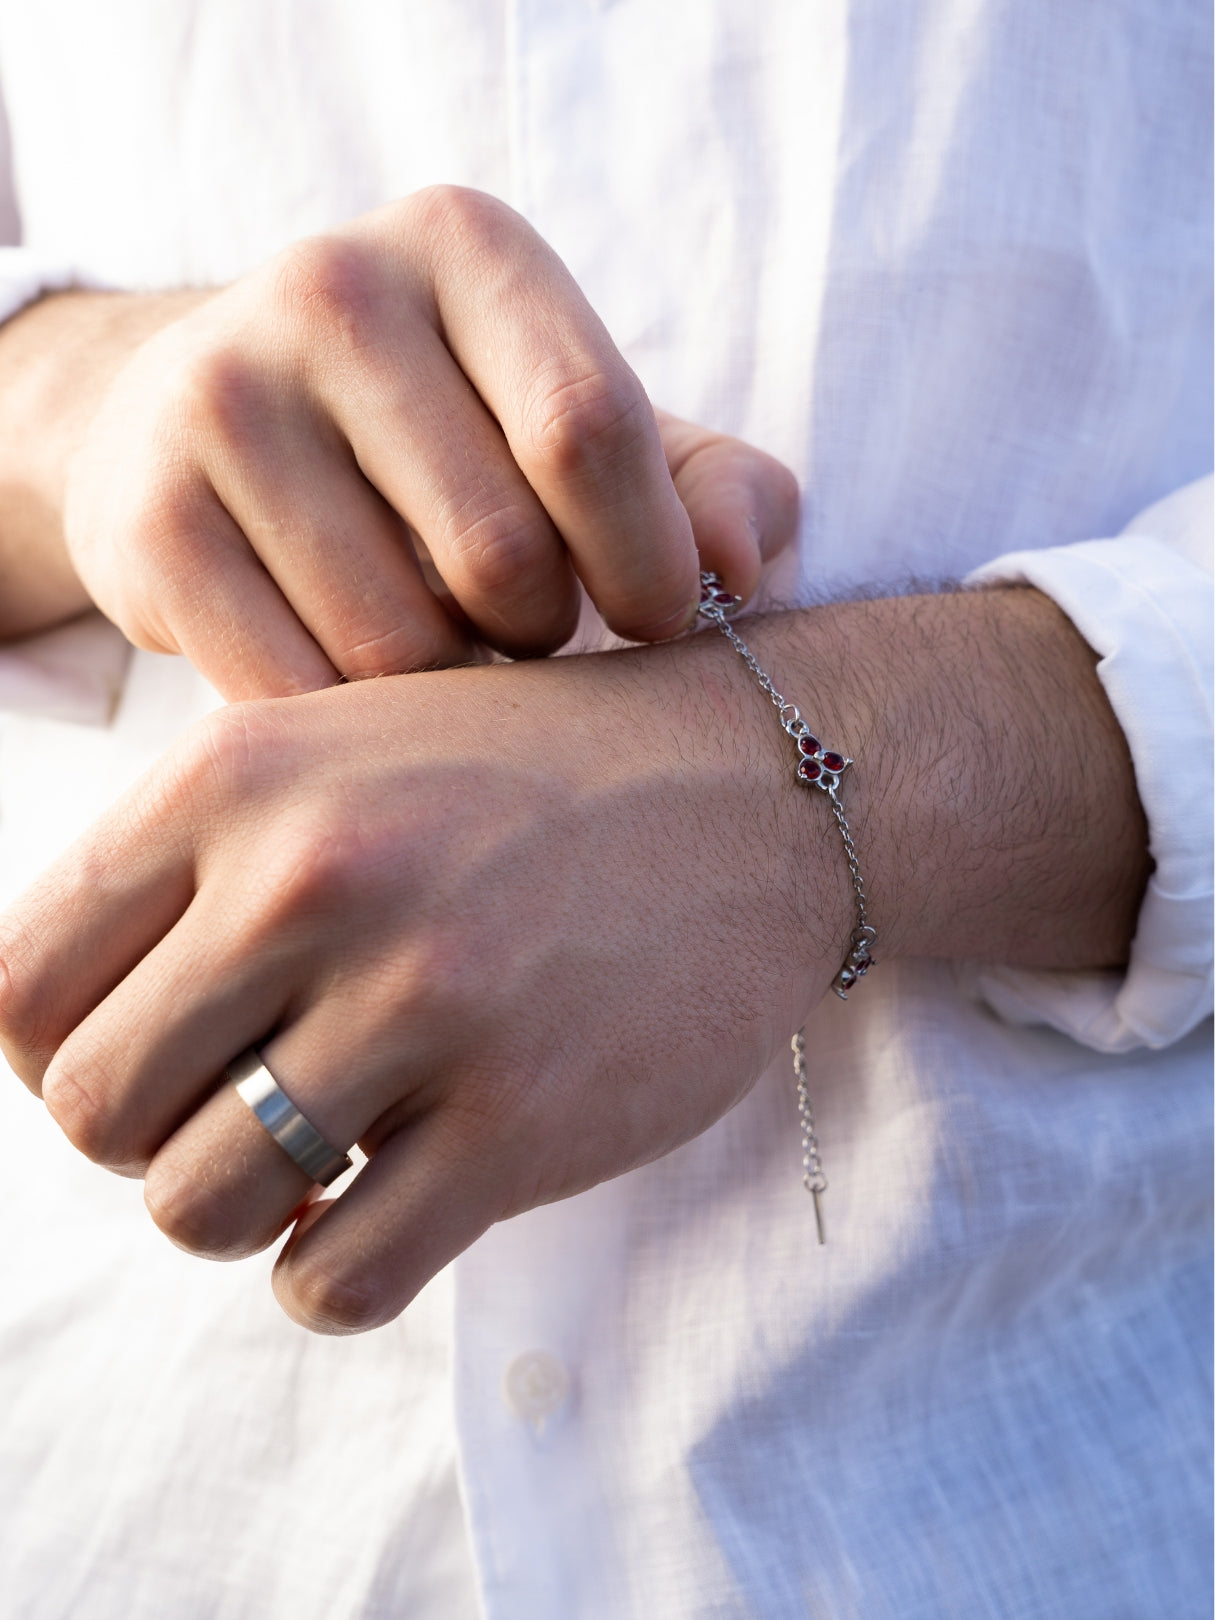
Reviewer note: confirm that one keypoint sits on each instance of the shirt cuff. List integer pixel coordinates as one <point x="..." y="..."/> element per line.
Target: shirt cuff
<point x="74" y="672"/>
<point x="1143" y="603"/>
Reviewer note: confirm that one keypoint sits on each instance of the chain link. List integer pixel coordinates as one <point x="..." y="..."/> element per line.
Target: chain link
<point x="822" y="768"/>
<point x="854" y="865"/>
<point x="718" y="617"/>
<point x="813" y="1179"/>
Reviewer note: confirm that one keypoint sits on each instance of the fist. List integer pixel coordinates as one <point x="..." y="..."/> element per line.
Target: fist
<point x="394" y="443"/>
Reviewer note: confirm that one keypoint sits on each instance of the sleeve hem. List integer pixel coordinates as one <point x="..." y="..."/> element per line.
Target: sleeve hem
<point x="1145" y="610"/>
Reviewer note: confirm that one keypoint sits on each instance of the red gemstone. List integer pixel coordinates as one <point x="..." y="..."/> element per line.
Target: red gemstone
<point x="809" y="770"/>
<point x="723" y="599"/>
<point x="808" y="744"/>
<point x="833" y="762"/>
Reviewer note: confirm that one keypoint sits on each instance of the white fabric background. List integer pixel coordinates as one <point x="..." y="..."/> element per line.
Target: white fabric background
<point x="950" y="260"/>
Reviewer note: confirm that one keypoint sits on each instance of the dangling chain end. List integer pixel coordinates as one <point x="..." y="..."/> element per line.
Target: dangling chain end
<point x="820" y="767"/>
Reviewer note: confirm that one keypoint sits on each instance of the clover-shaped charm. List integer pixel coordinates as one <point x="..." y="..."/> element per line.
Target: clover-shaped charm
<point x="715" y="600"/>
<point x="818" y="766"/>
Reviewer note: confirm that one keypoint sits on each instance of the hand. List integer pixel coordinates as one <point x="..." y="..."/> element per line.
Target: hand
<point x="498" y="925"/>
<point x="391" y="442"/>
<point x="518" y="929"/>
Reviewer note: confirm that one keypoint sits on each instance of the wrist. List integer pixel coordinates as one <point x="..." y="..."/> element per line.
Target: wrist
<point x="57" y="358"/>
<point x="992" y="797"/>
<point x="819" y="771"/>
<point x="779" y="840"/>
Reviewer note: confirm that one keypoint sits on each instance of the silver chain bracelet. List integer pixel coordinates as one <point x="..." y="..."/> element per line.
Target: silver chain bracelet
<point x="821" y="768"/>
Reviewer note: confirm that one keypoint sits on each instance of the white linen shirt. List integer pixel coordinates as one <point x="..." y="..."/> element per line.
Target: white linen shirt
<point x="949" y="259"/>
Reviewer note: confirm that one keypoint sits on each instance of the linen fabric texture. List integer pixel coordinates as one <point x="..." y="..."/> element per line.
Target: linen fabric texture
<point x="949" y="259"/>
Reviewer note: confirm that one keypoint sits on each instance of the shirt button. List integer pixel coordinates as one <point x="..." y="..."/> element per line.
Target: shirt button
<point x="535" y="1385"/>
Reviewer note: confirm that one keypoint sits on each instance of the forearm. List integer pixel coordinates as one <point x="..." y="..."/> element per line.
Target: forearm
<point x="992" y="799"/>
<point x="537" y="923"/>
<point x="56" y="360"/>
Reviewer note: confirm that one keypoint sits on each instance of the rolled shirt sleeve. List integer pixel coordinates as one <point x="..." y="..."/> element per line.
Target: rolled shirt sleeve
<point x="1143" y="602"/>
<point x="75" y="671"/>
<point x="24" y="276"/>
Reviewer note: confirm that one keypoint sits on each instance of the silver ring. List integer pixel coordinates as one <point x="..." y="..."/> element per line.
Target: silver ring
<point x="298" y="1139"/>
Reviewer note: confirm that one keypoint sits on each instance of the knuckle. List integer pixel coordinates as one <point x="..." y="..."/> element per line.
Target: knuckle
<point x="165" y="542"/>
<point x="223" y="754"/>
<point x="318" y="863"/>
<point x="324" y="288"/>
<point x="459" y="216"/>
<point x="451" y="970"/>
<point x="400" y="648"/>
<point x="154" y="535"/>
<point x="385" y="652"/>
<point x="25" y="1013"/>
<point x="145" y="552"/>
<point x="587" y="423"/>
<point x="84" y="1114"/>
<point x="13" y="1013"/>
<point x="401" y="653"/>
<point x="495" y="552"/>
<point x="219" y="394"/>
<point x="191" y="1215"/>
<point x="311" y="870"/>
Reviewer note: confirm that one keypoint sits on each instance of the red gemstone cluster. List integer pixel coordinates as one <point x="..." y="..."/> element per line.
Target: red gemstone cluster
<point x="713" y="594"/>
<point x="819" y="765"/>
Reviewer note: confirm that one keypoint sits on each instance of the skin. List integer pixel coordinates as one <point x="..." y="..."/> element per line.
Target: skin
<point x="412" y="932"/>
<point x="385" y="446"/>
<point x="529" y="925"/>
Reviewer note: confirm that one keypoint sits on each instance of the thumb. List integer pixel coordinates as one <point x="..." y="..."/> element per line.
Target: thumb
<point x="743" y="504"/>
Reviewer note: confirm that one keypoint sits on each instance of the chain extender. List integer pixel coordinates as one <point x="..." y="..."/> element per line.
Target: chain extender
<point x="821" y="768"/>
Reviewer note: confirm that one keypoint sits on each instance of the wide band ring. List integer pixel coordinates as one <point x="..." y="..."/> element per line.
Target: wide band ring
<point x="298" y="1139"/>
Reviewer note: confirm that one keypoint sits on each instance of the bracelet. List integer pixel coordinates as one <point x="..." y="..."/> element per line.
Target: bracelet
<point x="821" y="768"/>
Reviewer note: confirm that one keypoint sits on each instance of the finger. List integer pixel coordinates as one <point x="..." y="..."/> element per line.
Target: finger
<point x="150" y="1054"/>
<point x="429" y="446"/>
<point x="356" y="1262"/>
<point x="575" y="417"/>
<point x="221" y="1186"/>
<point x="743" y="503"/>
<point x="337" y="551"/>
<point x="85" y="923"/>
<point x="367" y="346"/>
<point x="215" y="602"/>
